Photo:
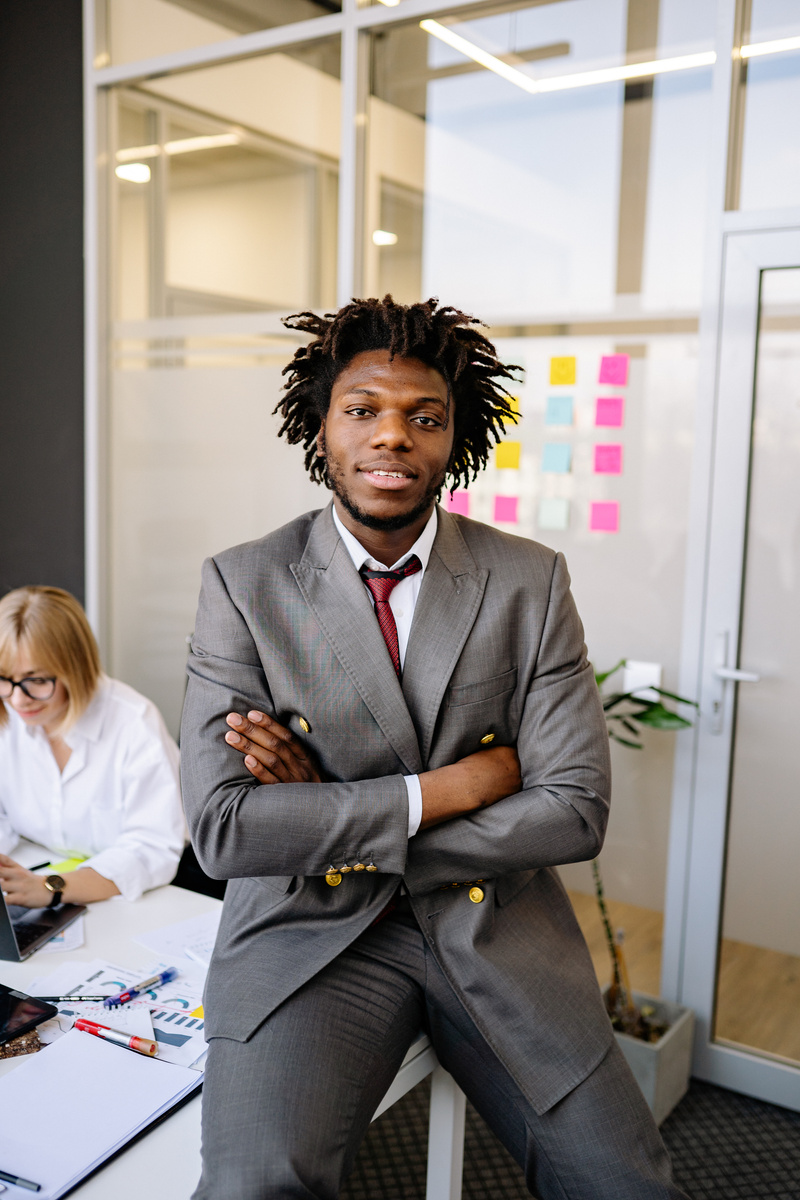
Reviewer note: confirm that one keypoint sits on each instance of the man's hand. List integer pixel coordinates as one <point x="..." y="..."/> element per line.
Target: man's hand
<point x="471" y="783"/>
<point x="272" y="753"/>
<point x="22" y="886"/>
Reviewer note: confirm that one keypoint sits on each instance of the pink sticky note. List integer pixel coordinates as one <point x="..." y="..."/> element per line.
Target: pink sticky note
<point x="608" y="458"/>
<point x="505" y="509"/>
<point x="614" y="369"/>
<point x="457" y="503"/>
<point x="604" y="516"/>
<point x="609" y="410"/>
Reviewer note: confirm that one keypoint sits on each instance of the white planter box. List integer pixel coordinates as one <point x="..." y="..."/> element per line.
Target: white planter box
<point x="661" y="1068"/>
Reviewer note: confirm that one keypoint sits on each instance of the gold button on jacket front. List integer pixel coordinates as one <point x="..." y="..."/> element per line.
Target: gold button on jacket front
<point x="333" y="879"/>
<point x="476" y="895"/>
<point x="487" y="737"/>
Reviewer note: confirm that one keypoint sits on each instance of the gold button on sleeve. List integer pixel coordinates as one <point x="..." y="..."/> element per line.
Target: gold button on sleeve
<point x="487" y="737"/>
<point x="371" y="867"/>
<point x="333" y="879"/>
<point x="304" y="725"/>
<point x="345" y="870"/>
<point x="358" y="867"/>
<point x="476" y="895"/>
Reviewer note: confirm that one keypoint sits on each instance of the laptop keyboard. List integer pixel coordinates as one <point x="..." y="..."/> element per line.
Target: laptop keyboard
<point x="30" y="931"/>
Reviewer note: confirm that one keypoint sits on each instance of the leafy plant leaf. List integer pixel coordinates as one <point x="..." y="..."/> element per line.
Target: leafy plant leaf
<point x="602" y="676"/>
<point x="659" y="717"/>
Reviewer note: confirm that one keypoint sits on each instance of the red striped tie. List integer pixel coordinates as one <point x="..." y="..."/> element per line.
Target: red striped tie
<point x="382" y="584"/>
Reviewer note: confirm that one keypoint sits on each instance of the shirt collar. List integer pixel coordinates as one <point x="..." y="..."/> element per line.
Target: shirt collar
<point x="89" y="724"/>
<point x="422" y="546"/>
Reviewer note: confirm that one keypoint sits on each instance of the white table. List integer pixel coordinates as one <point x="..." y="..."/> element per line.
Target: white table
<point x="165" y="1164"/>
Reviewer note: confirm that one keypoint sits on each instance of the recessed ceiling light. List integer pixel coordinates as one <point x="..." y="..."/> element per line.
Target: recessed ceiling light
<point x="134" y="172"/>
<point x="382" y="237"/>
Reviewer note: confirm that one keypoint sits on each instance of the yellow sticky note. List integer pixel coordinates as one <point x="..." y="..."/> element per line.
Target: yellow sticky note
<point x="197" y="1012"/>
<point x="562" y="370"/>
<point x="69" y="864"/>
<point x="506" y="455"/>
<point x="514" y="405"/>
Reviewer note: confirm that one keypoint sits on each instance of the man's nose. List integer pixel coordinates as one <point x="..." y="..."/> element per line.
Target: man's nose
<point x="392" y="431"/>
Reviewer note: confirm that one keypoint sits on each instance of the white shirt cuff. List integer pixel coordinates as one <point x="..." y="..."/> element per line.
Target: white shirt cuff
<point x="414" y="789"/>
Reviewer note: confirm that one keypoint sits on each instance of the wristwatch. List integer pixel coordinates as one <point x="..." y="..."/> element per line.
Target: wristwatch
<point x="56" y="885"/>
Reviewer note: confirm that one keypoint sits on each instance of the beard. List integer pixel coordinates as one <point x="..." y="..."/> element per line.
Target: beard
<point x="391" y="524"/>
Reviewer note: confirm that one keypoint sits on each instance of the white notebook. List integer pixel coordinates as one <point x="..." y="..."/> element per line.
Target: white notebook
<point x="110" y="1095"/>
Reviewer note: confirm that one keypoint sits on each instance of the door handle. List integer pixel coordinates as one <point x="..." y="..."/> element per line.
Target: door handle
<point x="723" y="676"/>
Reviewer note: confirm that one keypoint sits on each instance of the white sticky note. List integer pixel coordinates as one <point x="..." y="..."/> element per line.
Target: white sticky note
<point x="553" y="513"/>
<point x="641" y="678"/>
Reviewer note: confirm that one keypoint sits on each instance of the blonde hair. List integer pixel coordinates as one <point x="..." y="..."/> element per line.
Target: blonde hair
<point x="51" y="626"/>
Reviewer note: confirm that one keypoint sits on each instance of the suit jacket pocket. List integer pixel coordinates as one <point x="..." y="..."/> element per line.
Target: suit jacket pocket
<point x="459" y="695"/>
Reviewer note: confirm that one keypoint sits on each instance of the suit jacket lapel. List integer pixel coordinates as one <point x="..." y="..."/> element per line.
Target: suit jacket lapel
<point x="448" y="603"/>
<point x="334" y="592"/>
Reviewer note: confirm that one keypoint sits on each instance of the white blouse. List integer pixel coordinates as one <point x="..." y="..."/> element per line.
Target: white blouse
<point x="117" y="799"/>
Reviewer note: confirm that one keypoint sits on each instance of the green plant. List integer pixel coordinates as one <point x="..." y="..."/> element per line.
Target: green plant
<point x="627" y="711"/>
<point x="652" y="714"/>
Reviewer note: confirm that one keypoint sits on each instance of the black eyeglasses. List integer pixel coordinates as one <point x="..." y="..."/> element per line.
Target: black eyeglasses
<point x="35" y="687"/>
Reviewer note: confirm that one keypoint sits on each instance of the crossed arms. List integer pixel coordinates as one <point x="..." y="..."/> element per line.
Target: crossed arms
<point x="272" y="754"/>
<point x="278" y="816"/>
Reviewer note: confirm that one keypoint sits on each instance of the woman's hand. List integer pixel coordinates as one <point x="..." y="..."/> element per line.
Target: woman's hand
<point x="26" y="889"/>
<point x="22" y="886"/>
<point x="272" y="753"/>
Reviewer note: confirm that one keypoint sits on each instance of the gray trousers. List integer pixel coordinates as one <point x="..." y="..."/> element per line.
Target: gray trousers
<point x="285" y="1112"/>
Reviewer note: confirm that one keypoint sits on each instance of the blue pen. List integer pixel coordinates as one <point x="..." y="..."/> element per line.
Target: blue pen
<point x="132" y="992"/>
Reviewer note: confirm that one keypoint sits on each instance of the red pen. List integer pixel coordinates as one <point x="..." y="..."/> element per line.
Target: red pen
<point x="130" y="1041"/>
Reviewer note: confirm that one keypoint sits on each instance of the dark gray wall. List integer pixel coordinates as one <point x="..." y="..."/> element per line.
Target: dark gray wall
<point x="41" y="295"/>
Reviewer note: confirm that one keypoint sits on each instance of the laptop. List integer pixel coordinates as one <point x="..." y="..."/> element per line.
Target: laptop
<point x="24" y="930"/>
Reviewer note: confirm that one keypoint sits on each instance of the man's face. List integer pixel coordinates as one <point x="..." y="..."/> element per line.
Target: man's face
<point x="383" y="439"/>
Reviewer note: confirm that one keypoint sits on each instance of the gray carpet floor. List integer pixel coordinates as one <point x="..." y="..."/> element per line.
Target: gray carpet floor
<point x="724" y="1147"/>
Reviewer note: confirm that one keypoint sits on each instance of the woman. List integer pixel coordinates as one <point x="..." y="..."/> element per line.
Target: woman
<point x="87" y="767"/>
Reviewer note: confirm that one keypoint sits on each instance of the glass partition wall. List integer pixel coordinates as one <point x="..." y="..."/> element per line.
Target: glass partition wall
<point x="565" y="170"/>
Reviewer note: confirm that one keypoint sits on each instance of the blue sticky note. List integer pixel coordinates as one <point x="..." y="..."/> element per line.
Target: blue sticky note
<point x="557" y="458"/>
<point x="558" y="411"/>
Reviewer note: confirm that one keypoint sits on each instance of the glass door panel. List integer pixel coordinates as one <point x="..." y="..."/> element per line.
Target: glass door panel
<point x="758" y="985"/>
<point x="224" y="213"/>
<point x="571" y="219"/>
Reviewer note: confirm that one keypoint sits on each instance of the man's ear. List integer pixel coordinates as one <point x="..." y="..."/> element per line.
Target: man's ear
<point x="320" y="446"/>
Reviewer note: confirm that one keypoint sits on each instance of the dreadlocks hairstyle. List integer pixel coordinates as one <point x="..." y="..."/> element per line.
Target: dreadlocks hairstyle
<point x="443" y="338"/>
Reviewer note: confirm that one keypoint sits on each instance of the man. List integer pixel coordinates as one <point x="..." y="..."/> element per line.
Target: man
<point x="413" y="741"/>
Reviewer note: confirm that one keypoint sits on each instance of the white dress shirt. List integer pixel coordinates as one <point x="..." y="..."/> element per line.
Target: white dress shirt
<point x="117" y="800"/>
<point x="402" y="601"/>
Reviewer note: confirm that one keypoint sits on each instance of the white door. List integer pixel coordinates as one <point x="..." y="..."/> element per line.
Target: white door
<point x="740" y="870"/>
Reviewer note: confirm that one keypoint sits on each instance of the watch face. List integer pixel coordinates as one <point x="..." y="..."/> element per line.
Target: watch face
<point x="55" y="883"/>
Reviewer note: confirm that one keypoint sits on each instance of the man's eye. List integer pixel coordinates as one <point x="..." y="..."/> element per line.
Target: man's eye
<point x="428" y="421"/>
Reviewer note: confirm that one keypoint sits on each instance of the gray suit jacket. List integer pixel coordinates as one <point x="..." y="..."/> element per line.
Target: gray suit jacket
<point x="496" y="646"/>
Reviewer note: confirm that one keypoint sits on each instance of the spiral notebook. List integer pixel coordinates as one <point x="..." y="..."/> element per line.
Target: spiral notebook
<point x="114" y="1094"/>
